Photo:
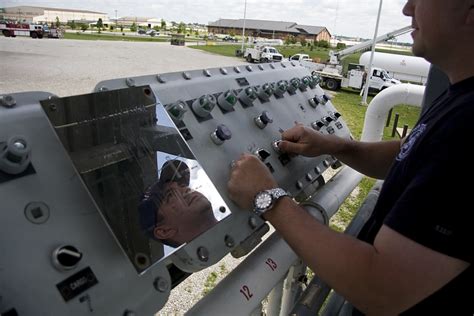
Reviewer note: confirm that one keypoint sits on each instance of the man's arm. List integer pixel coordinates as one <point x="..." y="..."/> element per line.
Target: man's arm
<point x="386" y="278"/>
<point x="370" y="158"/>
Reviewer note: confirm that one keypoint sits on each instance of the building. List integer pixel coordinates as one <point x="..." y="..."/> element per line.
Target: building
<point x="269" y="29"/>
<point x="49" y="15"/>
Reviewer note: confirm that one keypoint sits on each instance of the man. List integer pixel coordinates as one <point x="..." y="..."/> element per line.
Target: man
<point x="170" y="211"/>
<point x="415" y="256"/>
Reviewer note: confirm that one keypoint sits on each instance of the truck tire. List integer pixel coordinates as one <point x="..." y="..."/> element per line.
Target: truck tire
<point x="249" y="58"/>
<point x="332" y="84"/>
<point x="40" y="35"/>
<point x="34" y="35"/>
<point x="264" y="60"/>
<point x="6" y="33"/>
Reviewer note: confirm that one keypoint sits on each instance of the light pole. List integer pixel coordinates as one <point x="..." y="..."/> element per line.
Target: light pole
<point x="116" y="22"/>
<point x="367" y="81"/>
<point x="243" y="29"/>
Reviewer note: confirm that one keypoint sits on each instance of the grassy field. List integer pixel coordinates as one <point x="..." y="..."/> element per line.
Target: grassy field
<point x="317" y="53"/>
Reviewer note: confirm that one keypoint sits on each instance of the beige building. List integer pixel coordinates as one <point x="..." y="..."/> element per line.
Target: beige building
<point x="48" y="15"/>
<point x="269" y="29"/>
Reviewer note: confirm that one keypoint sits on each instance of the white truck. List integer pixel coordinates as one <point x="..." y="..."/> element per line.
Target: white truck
<point x="262" y="54"/>
<point x="333" y="79"/>
<point x="332" y="73"/>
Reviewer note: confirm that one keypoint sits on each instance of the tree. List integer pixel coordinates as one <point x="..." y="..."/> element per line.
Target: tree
<point x="181" y="28"/>
<point x="133" y="27"/>
<point x="341" y="45"/>
<point x="84" y="27"/>
<point x="72" y="25"/>
<point x="58" y="23"/>
<point x="121" y="28"/>
<point x="156" y="28"/>
<point x="323" y="43"/>
<point x="303" y="41"/>
<point x="100" y="24"/>
<point x="163" y="25"/>
<point x="111" y="27"/>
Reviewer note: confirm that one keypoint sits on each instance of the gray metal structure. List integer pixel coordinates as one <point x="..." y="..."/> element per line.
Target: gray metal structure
<point x="73" y="169"/>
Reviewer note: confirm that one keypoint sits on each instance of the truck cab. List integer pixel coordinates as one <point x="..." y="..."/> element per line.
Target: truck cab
<point x="262" y="54"/>
<point x="380" y="79"/>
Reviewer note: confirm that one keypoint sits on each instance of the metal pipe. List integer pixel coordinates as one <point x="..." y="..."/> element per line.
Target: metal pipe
<point x="274" y="300"/>
<point x="248" y="284"/>
<point x="313" y="298"/>
<point x="382" y="103"/>
<point x="369" y="74"/>
<point x="243" y="29"/>
<point x="292" y="287"/>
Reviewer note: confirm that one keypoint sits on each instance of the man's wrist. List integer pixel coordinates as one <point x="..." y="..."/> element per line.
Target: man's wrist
<point x="279" y="208"/>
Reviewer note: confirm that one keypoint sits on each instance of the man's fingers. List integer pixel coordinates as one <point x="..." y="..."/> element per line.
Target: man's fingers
<point x="290" y="147"/>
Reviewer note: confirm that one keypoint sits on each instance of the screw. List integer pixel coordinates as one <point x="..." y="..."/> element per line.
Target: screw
<point x="130" y="82"/>
<point x="37" y="212"/>
<point x="203" y="254"/>
<point x="253" y="223"/>
<point x="161" y="285"/>
<point x="8" y="101"/>
<point x="229" y="241"/>
<point x="53" y="107"/>
<point x="222" y="209"/>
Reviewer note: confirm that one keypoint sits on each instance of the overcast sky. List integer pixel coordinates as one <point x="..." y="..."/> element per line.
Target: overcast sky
<point x="341" y="17"/>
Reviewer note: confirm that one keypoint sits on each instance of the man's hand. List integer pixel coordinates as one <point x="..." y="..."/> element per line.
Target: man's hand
<point x="308" y="142"/>
<point x="248" y="177"/>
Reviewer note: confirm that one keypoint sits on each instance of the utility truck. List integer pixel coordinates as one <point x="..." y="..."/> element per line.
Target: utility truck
<point x="332" y="74"/>
<point x="262" y="54"/>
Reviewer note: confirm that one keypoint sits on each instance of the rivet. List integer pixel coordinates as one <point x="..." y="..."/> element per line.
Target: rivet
<point x="203" y="254"/>
<point x="206" y="73"/>
<point x="229" y="241"/>
<point x="161" y="285"/>
<point x="223" y="71"/>
<point x="160" y="79"/>
<point x="8" y="101"/>
<point x="253" y="223"/>
<point x="130" y="82"/>
<point x="186" y="75"/>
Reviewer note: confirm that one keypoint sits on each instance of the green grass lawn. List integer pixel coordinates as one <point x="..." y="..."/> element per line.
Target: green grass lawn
<point x="316" y="53"/>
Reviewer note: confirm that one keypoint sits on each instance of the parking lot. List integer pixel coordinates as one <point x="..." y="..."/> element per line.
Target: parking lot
<point x="69" y="67"/>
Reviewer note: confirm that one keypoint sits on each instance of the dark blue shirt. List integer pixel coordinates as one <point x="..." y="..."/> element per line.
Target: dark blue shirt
<point x="428" y="194"/>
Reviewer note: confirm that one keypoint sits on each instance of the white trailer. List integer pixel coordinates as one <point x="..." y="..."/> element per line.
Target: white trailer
<point x="405" y="68"/>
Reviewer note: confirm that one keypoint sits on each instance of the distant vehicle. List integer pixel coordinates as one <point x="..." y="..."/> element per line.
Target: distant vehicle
<point x="262" y="54"/>
<point x="405" y="68"/>
<point x="152" y="33"/>
<point x="141" y="31"/>
<point x="268" y="42"/>
<point x="300" y="57"/>
<point x="229" y="39"/>
<point x="12" y="29"/>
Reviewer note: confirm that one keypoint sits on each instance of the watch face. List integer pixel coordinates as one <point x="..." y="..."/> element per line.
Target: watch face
<point x="263" y="200"/>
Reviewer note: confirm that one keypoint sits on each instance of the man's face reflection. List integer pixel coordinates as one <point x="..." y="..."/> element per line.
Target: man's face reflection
<point x="185" y="213"/>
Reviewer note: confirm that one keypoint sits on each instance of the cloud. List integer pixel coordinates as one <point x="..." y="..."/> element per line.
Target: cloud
<point x="341" y="17"/>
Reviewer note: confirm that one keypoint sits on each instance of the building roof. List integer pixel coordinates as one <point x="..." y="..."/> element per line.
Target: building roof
<point x="264" y="25"/>
<point x="138" y="19"/>
<point x="55" y="9"/>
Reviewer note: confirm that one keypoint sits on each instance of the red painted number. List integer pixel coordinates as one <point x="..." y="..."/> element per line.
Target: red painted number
<point x="246" y="292"/>
<point x="272" y="264"/>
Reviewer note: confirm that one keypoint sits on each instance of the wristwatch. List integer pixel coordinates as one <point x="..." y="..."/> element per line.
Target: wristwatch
<point x="265" y="200"/>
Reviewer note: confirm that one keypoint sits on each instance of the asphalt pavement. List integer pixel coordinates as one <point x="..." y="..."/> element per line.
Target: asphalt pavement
<point x="70" y="67"/>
